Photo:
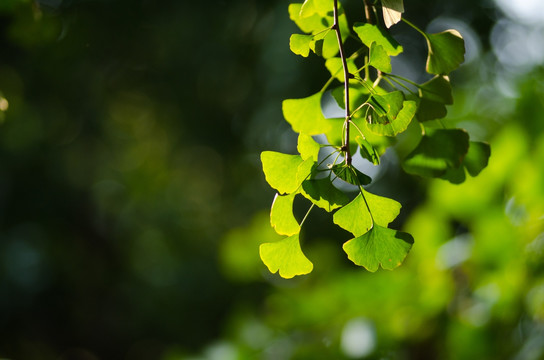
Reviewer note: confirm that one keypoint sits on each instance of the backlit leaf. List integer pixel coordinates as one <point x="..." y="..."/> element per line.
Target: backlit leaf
<point x="446" y="52"/>
<point x="322" y="193"/>
<point x="334" y="65"/>
<point x="305" y="115"/>
<point x="438" y="151"/>
<point x="355" y="216"/>
<point x="379" y="59"/>
<point x="307" y="147"/>
<point x="281" y="215"/>
<point x="300" y="44"/>
<point x="369" y="33"/>
<point x="379" y="246"/>
<point x="286" y="256"/>
<point x="281" y="170"/>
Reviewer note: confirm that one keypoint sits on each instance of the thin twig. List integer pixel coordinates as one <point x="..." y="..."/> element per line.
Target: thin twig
<point x="347" y="76"/>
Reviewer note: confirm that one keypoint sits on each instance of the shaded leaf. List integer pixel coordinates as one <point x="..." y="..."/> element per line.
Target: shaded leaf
<point x="446" y="52"/>
<point x="388" y="104"/>
<point x="285" y="256"/>
<point x="438" y="151"/>
<point x="351" y="175"/>
<point x="477" y="157"/>
<point x="305" y="115"/>
<point x="437" y="89"/>
<point x="322" y="193"/>
<point x="369" y="33"/>
<point x="379" y="59"/>
<point x="379" y="246"/>
<point x="367" y="150"/>
<point x="355" y="216"/>
<point x="281" y="215"/>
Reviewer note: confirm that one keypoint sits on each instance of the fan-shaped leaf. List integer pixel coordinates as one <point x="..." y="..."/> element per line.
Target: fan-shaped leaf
<point x="351" y="175"/>
<point x="379" y="59"/>
<point x="281" y="215"/>
<point x="388" y="126"/>
<point x="392" y="11"/>
<point x="305" y="115"/>
<point x="286" y="256"/>
<point x="379" y="246"/>
<point x="322" y="193"/>
<point x="300" y="44"/>
<point x="369" y="33"/>
<point x="446" y="52"/>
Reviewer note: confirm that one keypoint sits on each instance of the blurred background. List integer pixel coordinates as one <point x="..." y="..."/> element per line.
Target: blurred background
<point x="132" y="202"/>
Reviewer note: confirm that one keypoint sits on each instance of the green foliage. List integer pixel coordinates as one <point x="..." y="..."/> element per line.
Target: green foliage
<point x="378" y="106"/>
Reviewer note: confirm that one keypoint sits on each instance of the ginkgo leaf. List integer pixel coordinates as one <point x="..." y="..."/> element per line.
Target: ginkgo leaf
<point x="281" y="171"/>
<point x="438" y="151"/>
<point x="310" y="7"/>
<point x="477" y="157"/>
<point x="388" y="104"/>
<point x="368" y="151"/>
<point x="434" y="95"/>
<point x="379" y="246"/>
<point x="305" y="169"/>
<point x="379" y="59"/>
<point x="285" y="256"/>
<point x="334" y="65"/>
<point x="309" y="24"/>
<point x="355" y="216"/>
<point x="281" y="215"/>
<point x="392" y="11"/>
<point x="446" y="52"/>
<point x="307" y="147"/>
<point x="369" y="33"/>
<point x="351" y="175"/>
<point x="300" y="44"/>
<point x="305" y="115"/>
<point x="322" y="193"/>
<point x="392" y="127"/>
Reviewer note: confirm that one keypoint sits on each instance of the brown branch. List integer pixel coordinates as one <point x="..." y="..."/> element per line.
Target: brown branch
<point x="347" y="76"/>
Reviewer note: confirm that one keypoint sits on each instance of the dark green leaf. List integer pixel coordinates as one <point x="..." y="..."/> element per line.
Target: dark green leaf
<point x="379" y="246"/>
<point x="446" y="52"/>
<point x="367" y="150"/>
<point x="322" y="193"/>
<point x="437" y="89"/>
<point x="351" y="175"/>
<point x="477" y="157"/>
<point x="438" y="151"/>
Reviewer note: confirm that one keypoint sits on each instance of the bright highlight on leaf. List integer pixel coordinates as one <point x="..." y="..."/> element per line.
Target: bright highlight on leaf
<point x="300" y="44"/>
<point x="286" y="256"/>
<point x="281" y="215"/>
<point x="392" y="11"/>
<point x="446" y="52"/>
<point x="281" y="171"/>
<point x="307" y="147"/>
<point x="305" y="115"/>
<point x="391" y="126"/>
<point x="379" y="246"/>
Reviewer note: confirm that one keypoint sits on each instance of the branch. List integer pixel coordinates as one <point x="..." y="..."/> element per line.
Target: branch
<point x="347" y="76"/>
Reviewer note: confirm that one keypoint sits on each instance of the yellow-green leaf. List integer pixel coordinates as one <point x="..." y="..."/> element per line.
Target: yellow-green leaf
<point x="300" y="44"/>
<point x="307" y="147"/>
<point x="281" y="170"/>
<point x="322" y="193"/>
<point x="369" y="33"/>
<point x="305" y="115"/>
<point x="379" y="59"/>
<point x="281" y="215"/>
<point x="286" y="256"/>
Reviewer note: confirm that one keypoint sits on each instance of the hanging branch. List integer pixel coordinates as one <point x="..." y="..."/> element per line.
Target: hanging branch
<point x="347" y="76"/>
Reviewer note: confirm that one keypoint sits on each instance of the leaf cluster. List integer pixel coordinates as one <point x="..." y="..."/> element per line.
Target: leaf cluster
<point x="379" y="106"/>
